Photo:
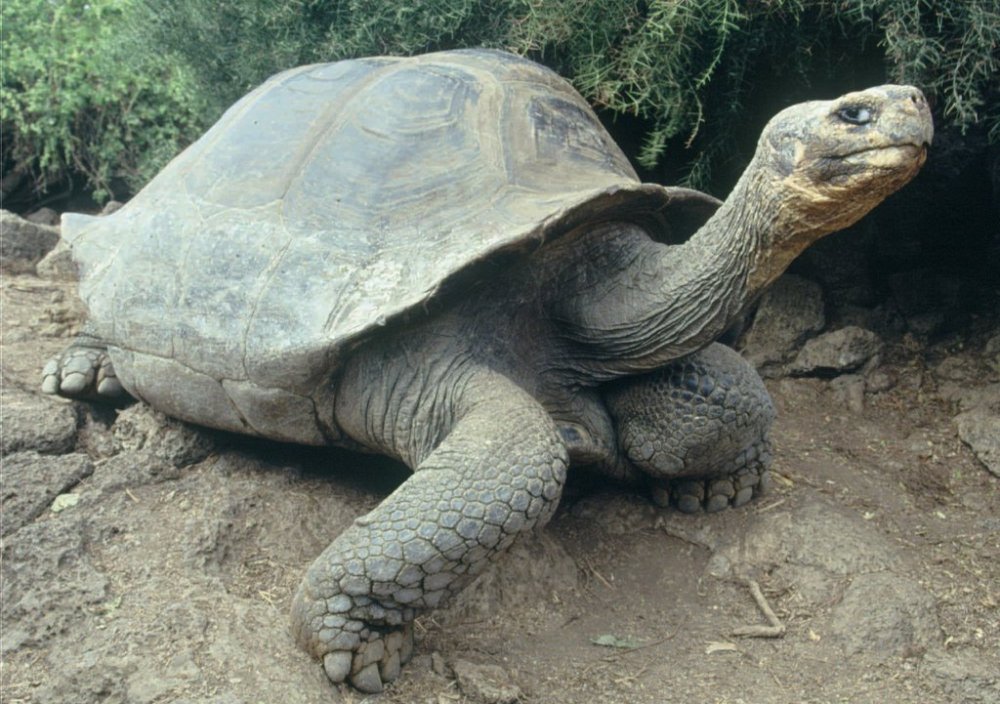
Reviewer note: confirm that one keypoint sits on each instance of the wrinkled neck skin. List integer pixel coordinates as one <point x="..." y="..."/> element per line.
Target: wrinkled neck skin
<point x="659" y="302"/>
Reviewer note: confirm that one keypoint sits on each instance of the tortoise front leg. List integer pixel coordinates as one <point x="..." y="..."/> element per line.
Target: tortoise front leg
<point x="699" y="428"/>
<point x="498" y="473"/>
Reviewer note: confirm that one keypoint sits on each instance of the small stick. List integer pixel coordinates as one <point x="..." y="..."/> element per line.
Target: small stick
<point x="599" y="576"/>
<point x="775" y="630"/>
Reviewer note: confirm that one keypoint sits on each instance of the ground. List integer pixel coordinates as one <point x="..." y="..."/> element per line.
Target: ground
<point x="145" y="561"/>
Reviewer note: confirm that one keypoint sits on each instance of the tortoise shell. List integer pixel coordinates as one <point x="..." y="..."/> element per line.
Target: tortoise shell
<point x="335" y="200"/>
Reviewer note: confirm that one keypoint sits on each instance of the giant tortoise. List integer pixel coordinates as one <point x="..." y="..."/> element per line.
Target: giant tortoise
<point x="446" y="259"/>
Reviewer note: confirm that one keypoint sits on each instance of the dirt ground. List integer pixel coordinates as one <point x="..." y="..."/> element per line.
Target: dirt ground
<point x="130" y="575"/>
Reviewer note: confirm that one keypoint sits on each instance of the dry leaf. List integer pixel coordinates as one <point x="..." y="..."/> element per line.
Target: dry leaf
<point x="715" y="646"/>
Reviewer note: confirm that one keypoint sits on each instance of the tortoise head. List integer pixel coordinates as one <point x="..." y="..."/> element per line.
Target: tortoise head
<point x="837" y="159"/>
<point x="824" y="164"/>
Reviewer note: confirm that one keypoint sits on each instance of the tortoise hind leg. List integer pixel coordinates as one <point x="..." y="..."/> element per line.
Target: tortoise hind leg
<point x="483" y="485"/>
<point x="83" y="370"/>
<point x="698" y="428"/>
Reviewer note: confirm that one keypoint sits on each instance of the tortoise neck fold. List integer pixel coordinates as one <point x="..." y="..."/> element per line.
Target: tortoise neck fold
<point x="710" y="280"/>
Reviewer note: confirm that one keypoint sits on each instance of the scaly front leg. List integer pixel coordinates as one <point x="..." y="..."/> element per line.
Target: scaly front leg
<point x="498" y="473"/>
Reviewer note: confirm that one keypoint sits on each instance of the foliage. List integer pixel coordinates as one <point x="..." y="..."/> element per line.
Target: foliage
<point x="693" y="67"/>
<point x="79" y="98"/>
<point x="692" y="76"/>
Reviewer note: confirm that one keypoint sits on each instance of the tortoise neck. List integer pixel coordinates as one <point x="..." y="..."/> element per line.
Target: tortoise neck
<point x="633" y="304"/>
<point x="736" y="239"/>
<point x="713" y="277"/>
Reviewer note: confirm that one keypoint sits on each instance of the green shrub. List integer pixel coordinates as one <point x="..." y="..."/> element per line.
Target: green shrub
<point x="691" y="76"/>
<point x="80" y="97"/>
<point x="687" y="69"/>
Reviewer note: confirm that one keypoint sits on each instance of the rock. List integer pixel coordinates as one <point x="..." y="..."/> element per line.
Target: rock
<point x="94" y="434"/>
<point x="926" y="324"/>
<point x="111" y="206"/>
<point x="814" y="547"/>
<point x="790" y="311"/>
<point x="58" y="264"/>
<point x="844" y="350"/>
<point x="965" y="675"/>
<point x="884" y="614"/>
<point x="883" y="319"/>
<point x="140" y="429"/>
<point x="23" y="243"/>
<point x="485" y="684"/>
<point x="879" y="381"/>
<point x="33" y="422"/>
<point x="439" y="666"/>
<point x="984" y="397"/>
<point x="43" y="216"/>
<point x="33" y="481"/>
<point x="957" y="368"/>
<point x="48" y="578"/>
<point x="981" y="432"/>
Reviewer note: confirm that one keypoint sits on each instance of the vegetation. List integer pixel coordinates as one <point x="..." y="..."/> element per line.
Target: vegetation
<point x="78" y="98"/>
<point x="691" y="77"/>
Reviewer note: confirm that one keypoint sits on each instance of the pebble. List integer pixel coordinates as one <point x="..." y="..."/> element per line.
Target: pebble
<point x="64" y="501"/>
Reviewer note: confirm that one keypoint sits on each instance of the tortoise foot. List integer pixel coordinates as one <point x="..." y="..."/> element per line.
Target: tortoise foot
<point x="376" y="661"/>
<point x="82" y="371"/>
<point x="715" y="493"/>
<point x="366" y="654"/>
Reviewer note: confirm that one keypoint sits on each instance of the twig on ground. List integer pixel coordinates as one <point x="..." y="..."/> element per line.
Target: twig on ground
<point x="775" y="630"/>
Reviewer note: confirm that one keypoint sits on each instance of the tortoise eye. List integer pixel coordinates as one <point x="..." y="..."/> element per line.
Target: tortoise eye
<point x="855" y="114"/>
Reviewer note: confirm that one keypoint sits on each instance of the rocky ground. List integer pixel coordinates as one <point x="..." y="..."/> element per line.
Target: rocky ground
<point x="147" y="561"/>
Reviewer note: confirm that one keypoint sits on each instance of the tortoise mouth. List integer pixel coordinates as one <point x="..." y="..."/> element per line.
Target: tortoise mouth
<point x="889" y="157"/>
<point x="913" y="148"/>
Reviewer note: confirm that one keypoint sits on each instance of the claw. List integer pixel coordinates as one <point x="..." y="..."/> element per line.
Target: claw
<point x="337" y="665"/>
<point x="367" y="679"/>
<point x="374" y="664"/>
<point x="710" y="495"/>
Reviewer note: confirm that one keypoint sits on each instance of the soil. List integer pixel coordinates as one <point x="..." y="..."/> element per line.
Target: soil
<point x="146" y="561"/>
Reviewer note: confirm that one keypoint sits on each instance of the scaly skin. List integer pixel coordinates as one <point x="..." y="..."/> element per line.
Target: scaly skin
<point x="486" y="483"/>
<point x="698" y="428"/>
